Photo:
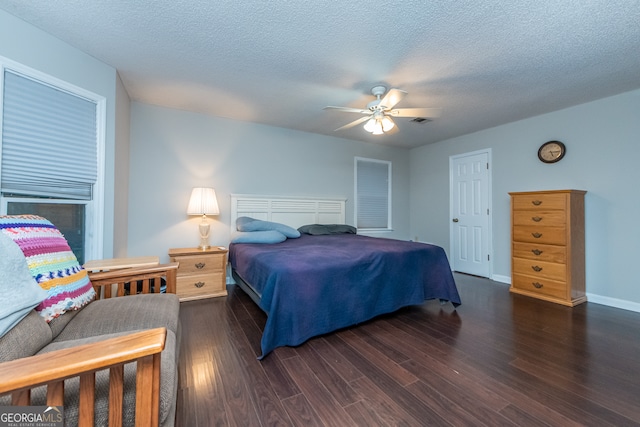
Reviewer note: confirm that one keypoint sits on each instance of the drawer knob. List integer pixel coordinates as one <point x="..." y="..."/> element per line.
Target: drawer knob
<point x="536" y="202"/>
<point x="200" y="265"/>
<point x="536" y="268"/>
<point x="537" y="235"/>
<point x="536" y="218"/>
<point x="536" y="251"/>
<point x="198" y="284"/>
<point x="537" y="285"/>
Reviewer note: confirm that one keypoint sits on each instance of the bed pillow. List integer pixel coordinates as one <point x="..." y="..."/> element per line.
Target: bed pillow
<point x="322" y="229"/>
<point x="267" y="236"/>
<point x="245" y="223"/>
<point x="242" y="221"/>
<point x="51" y="262"/>
<point x="19" y="293"/>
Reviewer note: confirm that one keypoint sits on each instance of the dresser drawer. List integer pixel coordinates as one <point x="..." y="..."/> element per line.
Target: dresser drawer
<point x="536" y="251"/>
<point x="539" y="202"/>
<point x="539" y="234"/>
<point x="544" y="218"/>
<point x="200" y="264"/>
<point x="201" y="285"/>
<point x="540" y="269"/>
<point x="541" y="286"/>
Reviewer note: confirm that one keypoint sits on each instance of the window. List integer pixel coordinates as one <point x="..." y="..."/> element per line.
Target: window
<point x="51" y="151"/>
<point x="68" y="217"/>
<point x="373" y="194"/>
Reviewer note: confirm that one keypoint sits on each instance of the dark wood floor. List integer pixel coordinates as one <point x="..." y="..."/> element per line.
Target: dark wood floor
<point x="499" y="359"/>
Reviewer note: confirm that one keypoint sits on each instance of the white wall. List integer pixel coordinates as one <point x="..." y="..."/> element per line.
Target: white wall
<point x="28" y="45"/>
<point x="121" y="171"/>
<point x="603" y="148"/>
<point x="173" y="151"/>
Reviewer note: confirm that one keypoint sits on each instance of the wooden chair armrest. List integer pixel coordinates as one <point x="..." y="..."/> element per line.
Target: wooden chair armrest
<point x="128" y="275"/>
<point x="57" y="365"/>
<point x="118" y="263"/>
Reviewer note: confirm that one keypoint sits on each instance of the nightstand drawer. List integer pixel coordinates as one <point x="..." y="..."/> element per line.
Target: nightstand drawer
<point x="200" y="286"/>
<point x="201" y="264"/>
<point x="202" y="272"/>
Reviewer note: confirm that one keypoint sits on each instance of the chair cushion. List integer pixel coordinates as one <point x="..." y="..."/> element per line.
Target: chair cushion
<point x="26" y="338"/>
<point x="168" y="383"/>
<point x="58" y="324"/>
<point x="19" y="293"/>
<point x="123" y="314"/>
<point x="51" y="262"/>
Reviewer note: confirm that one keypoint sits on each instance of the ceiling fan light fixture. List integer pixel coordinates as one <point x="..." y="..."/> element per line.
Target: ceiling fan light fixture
<point x="387" y="124"/>
<point x="378" y="116"/>
<point x="370" y="125"/>
<point x="377" y="128"/>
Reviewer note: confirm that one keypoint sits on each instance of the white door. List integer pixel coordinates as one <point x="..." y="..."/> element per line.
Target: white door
<point x="470" y="214"/>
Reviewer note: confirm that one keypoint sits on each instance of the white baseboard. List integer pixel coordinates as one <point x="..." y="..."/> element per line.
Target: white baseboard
<point x="594" y="298"/>
<point x="501" y="278"/>
<point x="614" y="302"/>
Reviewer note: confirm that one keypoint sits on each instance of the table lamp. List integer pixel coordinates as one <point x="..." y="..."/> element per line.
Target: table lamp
<point x="203" y="202"/>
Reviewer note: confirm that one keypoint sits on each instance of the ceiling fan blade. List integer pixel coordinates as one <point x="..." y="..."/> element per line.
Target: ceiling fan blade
<point x="347" y="109"/>
<point x="354" y="123"/>
<point x="392" y="98"/>
<point x="426" y="113"/>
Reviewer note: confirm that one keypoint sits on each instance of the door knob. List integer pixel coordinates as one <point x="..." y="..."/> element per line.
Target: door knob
<point x="455" y="219"/>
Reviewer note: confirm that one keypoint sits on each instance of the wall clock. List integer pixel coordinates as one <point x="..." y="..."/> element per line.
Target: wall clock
<point x="551" y="151"/>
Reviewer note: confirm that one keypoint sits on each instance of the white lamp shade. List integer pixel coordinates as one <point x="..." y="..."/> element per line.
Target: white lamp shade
<point x="377" y="128"/>
<point x="387" y="124"/>
<point x="379" y="124"/>
<point x="369" y="126"/>
<point x="203" y="202"/>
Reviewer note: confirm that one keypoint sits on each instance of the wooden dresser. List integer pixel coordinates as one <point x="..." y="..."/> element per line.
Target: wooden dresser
<point x="201" y="273"/>
<point x="547" y="245"/>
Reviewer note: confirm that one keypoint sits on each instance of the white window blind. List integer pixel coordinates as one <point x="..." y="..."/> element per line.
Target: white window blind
<point x="48" y="140"/>
<point x="373" y="194"/>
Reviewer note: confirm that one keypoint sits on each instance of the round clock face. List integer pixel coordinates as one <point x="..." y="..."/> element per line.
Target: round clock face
<point x="552" y="151"/>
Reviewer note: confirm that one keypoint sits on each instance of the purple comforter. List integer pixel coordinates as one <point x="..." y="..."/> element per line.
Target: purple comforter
<point x="318" y="284"/>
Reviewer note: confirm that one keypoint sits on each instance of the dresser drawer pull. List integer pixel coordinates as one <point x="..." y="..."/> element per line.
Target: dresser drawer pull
<point x="198" y="284"/>
<point x="537" y="285"/>
<point x="537" y="235"/>
<point x="536" y="268"/>
<point x="200" y="265"/>
<point x="536" y="251"/>
<point x="536" y="202"/>
<point x="536" y="218"/>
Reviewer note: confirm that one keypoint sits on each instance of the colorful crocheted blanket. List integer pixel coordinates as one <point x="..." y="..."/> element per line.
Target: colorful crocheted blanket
<point x="51" y="262"/>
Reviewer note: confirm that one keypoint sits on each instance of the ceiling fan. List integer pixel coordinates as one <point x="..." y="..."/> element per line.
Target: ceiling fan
<point x="379" y="113"/>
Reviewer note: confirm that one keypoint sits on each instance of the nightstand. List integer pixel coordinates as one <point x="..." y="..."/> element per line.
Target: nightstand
<point x="202" y="273"/>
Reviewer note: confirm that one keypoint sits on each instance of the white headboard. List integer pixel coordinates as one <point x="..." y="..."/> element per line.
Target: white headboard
<point x="292" y="211"/>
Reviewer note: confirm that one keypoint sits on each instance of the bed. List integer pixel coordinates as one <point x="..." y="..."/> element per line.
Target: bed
<point x="316" y="284"/>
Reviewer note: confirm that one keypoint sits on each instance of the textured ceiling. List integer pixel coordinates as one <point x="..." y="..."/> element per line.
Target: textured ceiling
<point x="485" y="63"/>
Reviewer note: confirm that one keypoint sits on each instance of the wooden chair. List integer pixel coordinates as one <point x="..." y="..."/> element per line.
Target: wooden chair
<point x="127" y="272"/>
<point x="18" y="377"/>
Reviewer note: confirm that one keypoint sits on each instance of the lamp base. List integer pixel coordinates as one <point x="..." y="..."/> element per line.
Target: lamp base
<point x="204" y="234"/>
